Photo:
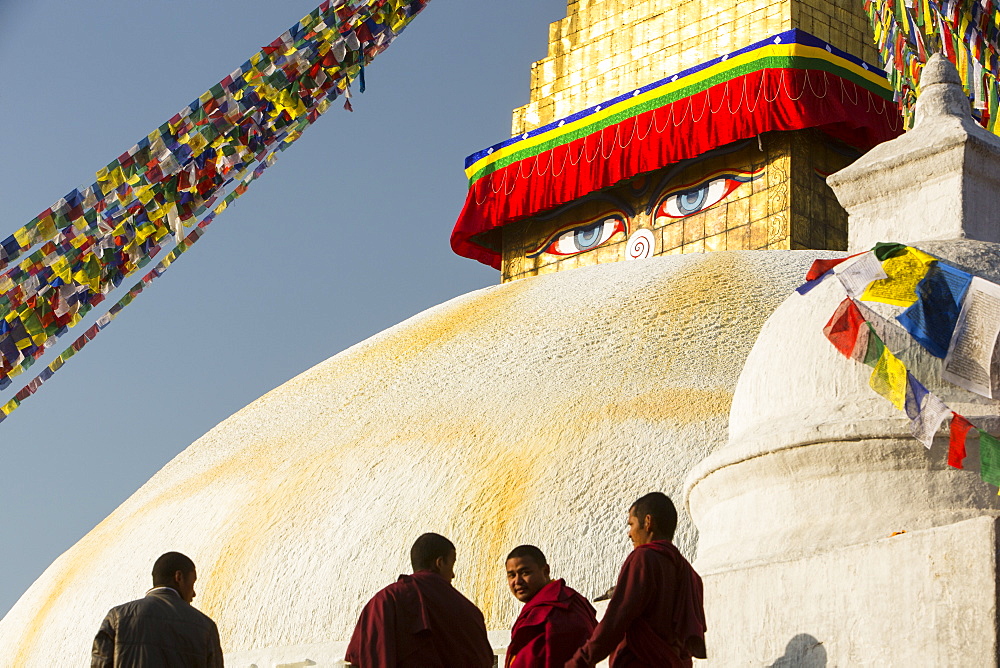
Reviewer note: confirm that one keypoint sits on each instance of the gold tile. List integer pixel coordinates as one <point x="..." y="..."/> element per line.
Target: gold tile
<point x="715" y="242"/>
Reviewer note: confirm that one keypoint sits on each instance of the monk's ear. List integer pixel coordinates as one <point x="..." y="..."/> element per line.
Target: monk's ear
<point x="545" y="572"/>
<point x="647" y="523"/>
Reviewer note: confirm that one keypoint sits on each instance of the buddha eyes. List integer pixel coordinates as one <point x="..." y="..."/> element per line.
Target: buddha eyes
<point x="581" y="238"/>
<point x="691" y="199"/>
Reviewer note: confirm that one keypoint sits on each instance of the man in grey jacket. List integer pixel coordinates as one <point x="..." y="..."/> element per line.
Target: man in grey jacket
<point x="161" y="630"/>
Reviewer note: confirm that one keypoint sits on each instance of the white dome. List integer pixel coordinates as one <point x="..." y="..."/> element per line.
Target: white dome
<point x="530" y="412"/>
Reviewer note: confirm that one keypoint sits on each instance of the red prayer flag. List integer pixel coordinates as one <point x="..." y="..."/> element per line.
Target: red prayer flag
<point x="844" y="327"/>
<point x="960" y="428"/>
<point x="821" y="266"/>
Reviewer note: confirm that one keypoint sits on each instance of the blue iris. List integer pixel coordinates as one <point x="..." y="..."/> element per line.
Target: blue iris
<point x="587" y="237"/>
<point x="692" y="201"/>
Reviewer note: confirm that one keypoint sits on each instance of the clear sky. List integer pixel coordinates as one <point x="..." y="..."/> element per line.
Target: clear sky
<point x="346" y="235"/>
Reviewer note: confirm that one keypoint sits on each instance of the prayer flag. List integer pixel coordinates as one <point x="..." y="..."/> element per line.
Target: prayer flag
<point x="823" y="265"/>
<point x="846" y="330"/>
<point x="925" y="410"/>
<point x="808" y="286"/>
<point x="857" y="276"/>
<point x="875" y="348"/>
<point x="968" y="363"/>
<point x="960" y="428"/>
<point x="989" y="458"/>
<point x="889" y="379"/>
<point x="883" y="250"/>
<point x="932" y="319"/>
<point x="905" y="269"/>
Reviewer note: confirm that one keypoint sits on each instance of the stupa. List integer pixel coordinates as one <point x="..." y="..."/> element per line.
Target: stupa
<point x="537" y="410"/>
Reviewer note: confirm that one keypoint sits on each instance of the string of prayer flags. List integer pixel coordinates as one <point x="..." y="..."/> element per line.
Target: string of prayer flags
<point x="161" y="267"/>
<point x="63" y="263"/>
<point x="942" y="295"/>
<point x="967" y="32"/>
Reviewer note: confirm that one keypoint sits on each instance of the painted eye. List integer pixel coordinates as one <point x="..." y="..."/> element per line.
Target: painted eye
<point x="582" y="238"/>
<point x="689" y="200"/>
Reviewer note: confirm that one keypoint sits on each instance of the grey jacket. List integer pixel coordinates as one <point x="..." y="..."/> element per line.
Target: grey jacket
<point x="158" y="631"/>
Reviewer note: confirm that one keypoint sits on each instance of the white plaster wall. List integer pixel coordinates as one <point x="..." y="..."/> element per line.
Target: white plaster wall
<point x="530" y="412"/>
<point x="925" y="598"/>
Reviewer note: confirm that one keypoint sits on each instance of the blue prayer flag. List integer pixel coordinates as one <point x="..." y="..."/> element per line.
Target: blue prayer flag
<point x="931" y="319"/>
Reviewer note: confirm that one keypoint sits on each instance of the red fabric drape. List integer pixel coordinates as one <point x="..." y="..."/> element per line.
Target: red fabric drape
<point x="740" y="108"/>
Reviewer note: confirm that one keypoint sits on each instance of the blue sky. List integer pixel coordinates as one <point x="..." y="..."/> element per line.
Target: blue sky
<point x="346" y="235"/>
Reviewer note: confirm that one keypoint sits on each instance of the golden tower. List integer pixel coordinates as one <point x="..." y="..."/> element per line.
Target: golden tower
<point x="775" y="195"/>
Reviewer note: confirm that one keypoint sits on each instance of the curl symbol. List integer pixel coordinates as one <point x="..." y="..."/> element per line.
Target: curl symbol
<point x="641" y="245"/>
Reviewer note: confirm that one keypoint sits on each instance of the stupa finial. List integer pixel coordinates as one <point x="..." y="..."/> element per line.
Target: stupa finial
<point x="941" y="92"/>
<point x="936" y="182"/>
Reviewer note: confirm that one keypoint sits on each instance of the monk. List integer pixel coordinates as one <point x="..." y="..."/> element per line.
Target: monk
<point x="656" y="617"/>
<point x="421" y="621"/>
<point x="555" y="620"/>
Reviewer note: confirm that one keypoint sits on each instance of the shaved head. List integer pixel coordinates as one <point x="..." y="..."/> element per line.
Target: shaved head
<point x="428" y="549"/>
<point x="660" y="508"/>
<point x="528" y="552"/>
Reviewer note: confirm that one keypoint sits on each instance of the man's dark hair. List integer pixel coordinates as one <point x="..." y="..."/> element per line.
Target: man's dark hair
<point x="427" y="549"/>
<point x="528" y="551"/>
<point x="659" y="506"/>
<point x="167" y="565"/>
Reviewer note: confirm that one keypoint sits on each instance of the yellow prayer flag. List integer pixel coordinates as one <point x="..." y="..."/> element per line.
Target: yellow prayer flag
<point x="145" y="194"/>
<point x="62" y="269"/>
<point x="904" y="272"/>
<point x="10" y="406"/>
<point x="115" y="177"/>
<point x="46" y="227"/>
<point x="197" y="143"/>
<point x="23" y="237"/>
<point x="889" y="379"/>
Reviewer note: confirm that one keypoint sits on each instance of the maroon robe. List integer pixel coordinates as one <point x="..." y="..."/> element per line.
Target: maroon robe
<point x="552" y="625"/>
<point x="420" y="621"/>
<point x="655" y="619"/>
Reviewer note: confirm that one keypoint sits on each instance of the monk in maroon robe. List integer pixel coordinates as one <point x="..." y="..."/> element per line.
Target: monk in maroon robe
<point x="656" y="617"/>
<point x="555" y="620"/>
<point x="421" y="621"/>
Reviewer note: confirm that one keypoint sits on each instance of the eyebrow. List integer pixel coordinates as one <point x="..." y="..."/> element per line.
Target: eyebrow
<point x="678" y="167"/>
<point x="606" y="198"/>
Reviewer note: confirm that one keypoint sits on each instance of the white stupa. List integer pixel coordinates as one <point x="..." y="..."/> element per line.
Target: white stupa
<point x="532" y="412"/>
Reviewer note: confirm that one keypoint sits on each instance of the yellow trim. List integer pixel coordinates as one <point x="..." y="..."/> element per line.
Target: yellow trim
<point x="786" y="50"/>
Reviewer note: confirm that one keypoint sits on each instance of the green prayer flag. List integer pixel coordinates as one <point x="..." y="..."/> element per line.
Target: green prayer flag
<point x="884" y="250"/>
<point x="989" y="458"/>
<point x="875" y="347"/>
